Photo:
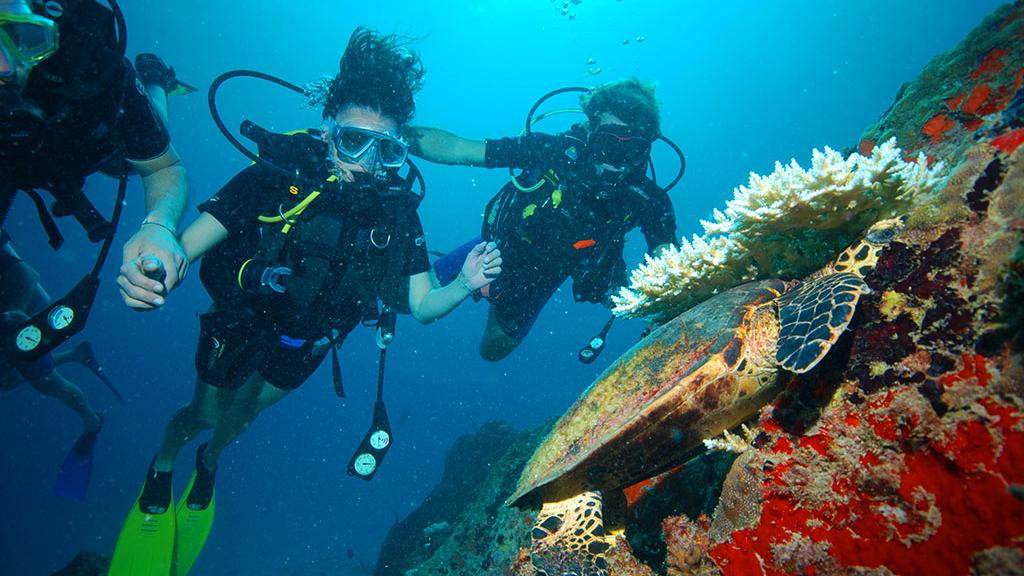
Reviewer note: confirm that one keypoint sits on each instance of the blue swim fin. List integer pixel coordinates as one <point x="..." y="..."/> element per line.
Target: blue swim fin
<point x="76" y="471"/>
<point x="447" y="267"/>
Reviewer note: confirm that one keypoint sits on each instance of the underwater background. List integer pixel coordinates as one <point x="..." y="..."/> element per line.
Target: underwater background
<point x="741" y="85"/>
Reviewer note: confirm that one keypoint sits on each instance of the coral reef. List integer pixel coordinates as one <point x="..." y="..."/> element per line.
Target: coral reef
<point x="903" y="452"/>
<point x="784" y="225"/>
<point x="902" y="458"/>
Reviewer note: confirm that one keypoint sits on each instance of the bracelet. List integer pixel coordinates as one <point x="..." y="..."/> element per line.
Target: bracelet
<point x="164" y="226"/>
<point x="464" y="282"/>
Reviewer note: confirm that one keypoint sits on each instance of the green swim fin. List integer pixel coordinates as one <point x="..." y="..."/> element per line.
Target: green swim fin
<point x="194" y="516"/>
<point x="145" y="546"/>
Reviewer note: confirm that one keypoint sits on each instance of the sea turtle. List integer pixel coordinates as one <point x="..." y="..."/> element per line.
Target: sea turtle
<point x="694" y="377"/>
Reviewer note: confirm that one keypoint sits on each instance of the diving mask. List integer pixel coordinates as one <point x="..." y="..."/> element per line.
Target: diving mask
<point x="364" y="146"/>
<point x="619" y="146"/>
<point x="27" y="38"/>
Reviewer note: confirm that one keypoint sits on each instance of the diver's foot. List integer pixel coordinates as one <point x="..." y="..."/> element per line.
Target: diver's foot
<point x="156" y="493"/>
<point x="153" y="71"/>
<point x="202" y="489"/>
<point x="86" y="442"/>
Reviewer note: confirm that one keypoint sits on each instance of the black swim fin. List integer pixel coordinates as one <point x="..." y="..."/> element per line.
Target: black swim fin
<point x="83" y="354"/>
<point x="152" y="70"/>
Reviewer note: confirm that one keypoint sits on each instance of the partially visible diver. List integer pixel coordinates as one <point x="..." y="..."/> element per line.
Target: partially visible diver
<point x="20" y="294"/>
<point x="71" y="105"/>
<point x="295" y="260"/>
<point x="587" y="188"/>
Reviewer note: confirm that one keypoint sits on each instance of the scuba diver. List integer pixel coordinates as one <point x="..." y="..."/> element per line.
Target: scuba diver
<point x="318" y="236"/>
<point x="72" y="105"/>
<point x="589" y="188"/>
<point x="20" y="293"/>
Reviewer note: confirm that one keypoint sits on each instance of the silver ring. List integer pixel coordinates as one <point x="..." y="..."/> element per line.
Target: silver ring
<point x="374" y="240"/>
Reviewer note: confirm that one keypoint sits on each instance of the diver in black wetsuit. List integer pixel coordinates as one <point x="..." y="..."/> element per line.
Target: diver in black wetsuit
<point x="71" y="105"/>
<point x="591" y="189"/>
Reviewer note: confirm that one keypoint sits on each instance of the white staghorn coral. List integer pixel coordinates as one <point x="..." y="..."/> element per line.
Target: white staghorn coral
<point x="784" y="225"/>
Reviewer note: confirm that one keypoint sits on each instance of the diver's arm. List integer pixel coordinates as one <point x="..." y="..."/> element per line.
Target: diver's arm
<point x="165" y="183"/>
<point x="153" y="262"/>
<point x="202" y="235"/>
<point x="444" y="147"/>
<point x="482" y="266"/>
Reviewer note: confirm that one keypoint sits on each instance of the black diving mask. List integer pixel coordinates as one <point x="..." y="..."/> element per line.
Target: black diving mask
<point x="621" y="147"/>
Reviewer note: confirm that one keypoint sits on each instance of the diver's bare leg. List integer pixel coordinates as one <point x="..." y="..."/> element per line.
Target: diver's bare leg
<point x="202" y="413"/>
<point x="59" y="388"/>
<point x="158" y="96"/>
<point x="252" y="398"/>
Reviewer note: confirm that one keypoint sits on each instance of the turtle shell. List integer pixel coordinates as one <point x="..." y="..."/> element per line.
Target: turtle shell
<point x="688" y="380"/>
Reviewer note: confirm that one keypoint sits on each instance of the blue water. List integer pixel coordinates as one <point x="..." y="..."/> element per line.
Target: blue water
<point x="742" y="84"/>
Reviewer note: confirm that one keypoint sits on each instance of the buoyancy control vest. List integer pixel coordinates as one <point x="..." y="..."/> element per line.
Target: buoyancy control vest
<point x="325" y="255"/>
<point x="563" y="220"/>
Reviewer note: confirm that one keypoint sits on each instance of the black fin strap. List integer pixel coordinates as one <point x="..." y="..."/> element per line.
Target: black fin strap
<point x="52" y="232"/>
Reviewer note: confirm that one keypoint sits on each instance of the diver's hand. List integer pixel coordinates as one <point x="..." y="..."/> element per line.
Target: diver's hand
<point x="482" y="266"/>
<point x="154" y="264"/>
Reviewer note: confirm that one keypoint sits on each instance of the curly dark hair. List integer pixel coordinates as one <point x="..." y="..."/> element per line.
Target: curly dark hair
<point x="630" y="100"/>
<point x="377" y="72"/>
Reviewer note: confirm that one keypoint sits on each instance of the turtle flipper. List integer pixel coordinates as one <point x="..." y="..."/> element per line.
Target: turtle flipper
<point x="813" y="316"/>
<point x="569" y="537"/>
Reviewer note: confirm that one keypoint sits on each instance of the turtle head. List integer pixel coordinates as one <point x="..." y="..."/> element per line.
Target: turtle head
<point x="862" y="256"/>
<point x="883" y="232"/>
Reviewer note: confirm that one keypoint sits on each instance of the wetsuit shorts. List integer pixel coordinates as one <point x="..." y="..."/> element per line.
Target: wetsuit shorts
<point x="231" y="348"/>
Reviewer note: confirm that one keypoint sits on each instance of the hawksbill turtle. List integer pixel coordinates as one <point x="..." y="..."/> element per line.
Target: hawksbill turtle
<point x="701" y="373"/>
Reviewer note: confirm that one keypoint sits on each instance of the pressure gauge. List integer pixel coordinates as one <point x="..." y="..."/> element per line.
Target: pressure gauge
<point x="365" y="464"/>
<point x="28" y="338"/>
<point x="61" y="317"/>
<point x="380" y="439"/>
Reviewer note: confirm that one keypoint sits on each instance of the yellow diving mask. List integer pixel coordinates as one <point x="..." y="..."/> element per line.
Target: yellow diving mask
<point x="29" y="38"/>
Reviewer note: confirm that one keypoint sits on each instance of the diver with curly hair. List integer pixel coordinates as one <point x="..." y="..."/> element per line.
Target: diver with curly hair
<point x="591" y="190"/>
<point x="295" y="260"/>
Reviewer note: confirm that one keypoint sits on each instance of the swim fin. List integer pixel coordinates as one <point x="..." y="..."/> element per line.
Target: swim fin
<point x="194" y="516"/>
<point x="83" y="354"/>
<point x="76" y="471"/>
<point x="153" y="70"/>
<point x="145" y="546"/>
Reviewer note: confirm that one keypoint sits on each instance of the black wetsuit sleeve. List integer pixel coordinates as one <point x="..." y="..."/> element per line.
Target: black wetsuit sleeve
<point x="534" y="150"/>
<point x="141" y="131"/>
<point x="658" y="219"/>
<point x="416" y="260"/>
<point x="241" y="200"/>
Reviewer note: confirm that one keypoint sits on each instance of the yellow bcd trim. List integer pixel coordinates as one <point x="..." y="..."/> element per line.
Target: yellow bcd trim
<point x="240" y="270"/>
<point x="529" y="210"/>
<point x="556" y="197"/>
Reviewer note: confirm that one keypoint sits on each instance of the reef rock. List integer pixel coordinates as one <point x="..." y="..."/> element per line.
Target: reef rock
<point x="462" y="528"/>
<point x="85" y="564"/>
